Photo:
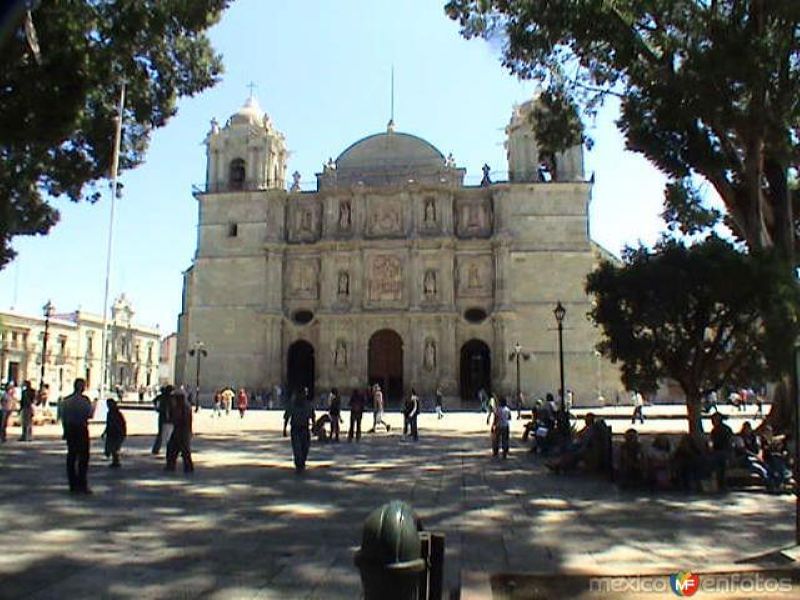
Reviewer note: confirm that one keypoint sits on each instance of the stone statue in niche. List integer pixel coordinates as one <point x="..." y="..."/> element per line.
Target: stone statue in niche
<point x="429" y="283"/>
<point x="473" y="277"/>
<point x="429" y="358"/>
<point x="430" y="211"/>
<point x="344" y="215"/>
<point x="343" y="288"/>
<point x="340" y="354"/>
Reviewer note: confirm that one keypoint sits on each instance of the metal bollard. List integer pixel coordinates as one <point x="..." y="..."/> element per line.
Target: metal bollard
<point x="390" y="558"/>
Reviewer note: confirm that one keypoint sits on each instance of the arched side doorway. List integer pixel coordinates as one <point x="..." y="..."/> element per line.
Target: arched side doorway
<point x="385" y="363"/>
<point x="300" y="367"/>
<point x="475" y="370"/>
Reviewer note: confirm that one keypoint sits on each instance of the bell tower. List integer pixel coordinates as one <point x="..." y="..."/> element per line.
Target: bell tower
<point x="247" y="154"/>
<point x="526" y="163"/>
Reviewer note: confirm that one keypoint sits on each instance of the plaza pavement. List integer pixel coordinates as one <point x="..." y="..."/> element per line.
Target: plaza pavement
<point x="245" y="526"/>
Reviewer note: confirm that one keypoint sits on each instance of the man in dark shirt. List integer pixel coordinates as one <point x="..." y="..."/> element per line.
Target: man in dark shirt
<point x="301" y="416"/>
<point x="721" y="438"/>
<point x="75" y="415"/>
<point x="163" y="404"/>
<point x="356" y="412"/>
<point x="335" y="411"/>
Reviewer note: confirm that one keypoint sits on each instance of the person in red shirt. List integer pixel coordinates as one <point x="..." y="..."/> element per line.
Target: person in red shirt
<point x="241" y="402"/>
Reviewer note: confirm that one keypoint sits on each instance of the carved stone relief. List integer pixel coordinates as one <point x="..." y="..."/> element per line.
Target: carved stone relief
<point x="302" y="280"/>
<point x="303" y="222"/>
<point x="474" y="219"/>
<point x="385" y="218"/>
<point x="475" y="275"/>
<point x="385" y="279"/>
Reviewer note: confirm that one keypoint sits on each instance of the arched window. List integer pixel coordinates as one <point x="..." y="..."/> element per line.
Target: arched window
<point x="236" y="174"/>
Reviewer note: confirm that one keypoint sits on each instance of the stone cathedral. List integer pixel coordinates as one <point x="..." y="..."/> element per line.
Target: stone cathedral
<point x="392" y="271"/>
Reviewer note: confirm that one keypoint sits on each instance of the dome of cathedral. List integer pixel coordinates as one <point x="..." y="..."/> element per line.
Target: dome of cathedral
<point x="390" y="151"/>
<point x="250" y="113"/>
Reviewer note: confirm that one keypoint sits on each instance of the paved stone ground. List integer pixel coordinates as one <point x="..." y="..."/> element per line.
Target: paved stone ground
<point x="245" y="526"/>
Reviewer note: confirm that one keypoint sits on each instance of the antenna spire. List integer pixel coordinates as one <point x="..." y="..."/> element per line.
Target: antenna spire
<point x="390" y="125"/>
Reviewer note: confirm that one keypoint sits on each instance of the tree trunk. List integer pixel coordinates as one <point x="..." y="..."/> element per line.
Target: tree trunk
<point x="694" y="413"/>
<point x="781" y="415"/>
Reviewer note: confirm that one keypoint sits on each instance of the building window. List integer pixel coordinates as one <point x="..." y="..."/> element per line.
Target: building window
<point x="236" y="174"/>
<point x="149" y="355"/>
<point x="233" y="229"/>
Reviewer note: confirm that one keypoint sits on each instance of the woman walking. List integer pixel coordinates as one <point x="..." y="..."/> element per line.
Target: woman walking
<point x="241" y="402"/>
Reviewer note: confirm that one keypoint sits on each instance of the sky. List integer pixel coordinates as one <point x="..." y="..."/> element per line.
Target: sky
<point x="322" y="71"/>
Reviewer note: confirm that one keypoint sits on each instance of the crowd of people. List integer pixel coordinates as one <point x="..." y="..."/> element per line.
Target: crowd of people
<point x="686" y="462"/>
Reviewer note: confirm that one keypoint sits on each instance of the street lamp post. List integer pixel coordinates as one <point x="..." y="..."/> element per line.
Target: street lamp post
<point x="198" y="351"/>
<point x="560" y="312"/>
<point x="48" y="312"/>
<point x="518" y="355"/>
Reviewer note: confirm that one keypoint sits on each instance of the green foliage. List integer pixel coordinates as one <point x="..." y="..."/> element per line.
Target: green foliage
<point x="57" y="114"/>
<point x="707" y="315"/>
<point x="709" y="88"/>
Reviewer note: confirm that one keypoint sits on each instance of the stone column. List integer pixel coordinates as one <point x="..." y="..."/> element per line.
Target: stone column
<point x="448" y="355"/>
<point x="502" y="265"/>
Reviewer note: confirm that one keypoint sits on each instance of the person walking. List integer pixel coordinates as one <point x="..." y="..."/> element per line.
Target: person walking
<point x="335" y="413"/>
<point x="115" y="432"/>
<point x="227" y="399"/>
<point x="413" y="413"/>
<point x="301" y="416"/>
<point x="180" y="442"/>
<point x="163" y="404"/>
<point x="492" y="408"/>
<point x="26" y="402"/>
<point x="6" y="408"/>
<point x="356" y="413"/>
<point x="216" y="412"/>
<point x="241" y="402"/>
<point x="638" y="408"/>
<point x="439" y="401"/>
<point x="501" y="428"/>
<point x="75" y="415"/>
<point x="377" y="414"/>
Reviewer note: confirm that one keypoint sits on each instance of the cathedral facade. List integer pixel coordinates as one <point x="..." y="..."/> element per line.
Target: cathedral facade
<point x="392" y="271"/>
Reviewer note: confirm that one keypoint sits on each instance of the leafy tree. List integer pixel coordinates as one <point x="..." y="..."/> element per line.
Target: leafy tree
<point x="707" y="316"/>
<point x="708" y="90"/>
<point x="707" y="87"/>
<point x="57" y="107"/>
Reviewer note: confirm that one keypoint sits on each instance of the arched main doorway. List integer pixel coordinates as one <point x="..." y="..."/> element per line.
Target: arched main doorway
<point x="300" y="367"/>
<point x="476" y="369"/>
<point x="385" y="363"/>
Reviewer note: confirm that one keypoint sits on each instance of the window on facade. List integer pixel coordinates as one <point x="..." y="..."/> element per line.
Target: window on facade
<point x="149" y="354"/>
<point x="233" y="229"/>
<point x="236" y="175"/>
<point x="62" y="345"/>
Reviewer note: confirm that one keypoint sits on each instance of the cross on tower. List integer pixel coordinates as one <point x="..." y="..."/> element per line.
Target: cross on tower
<point x="251" y="86"/>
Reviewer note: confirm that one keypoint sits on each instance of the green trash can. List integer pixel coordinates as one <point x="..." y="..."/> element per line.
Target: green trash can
<point x="390" y="557"/>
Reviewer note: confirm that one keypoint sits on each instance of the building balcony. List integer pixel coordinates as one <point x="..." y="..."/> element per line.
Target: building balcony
<point x="225" y="187"/>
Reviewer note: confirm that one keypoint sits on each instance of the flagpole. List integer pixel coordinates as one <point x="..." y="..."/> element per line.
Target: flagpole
<point x="114" y="170"/>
